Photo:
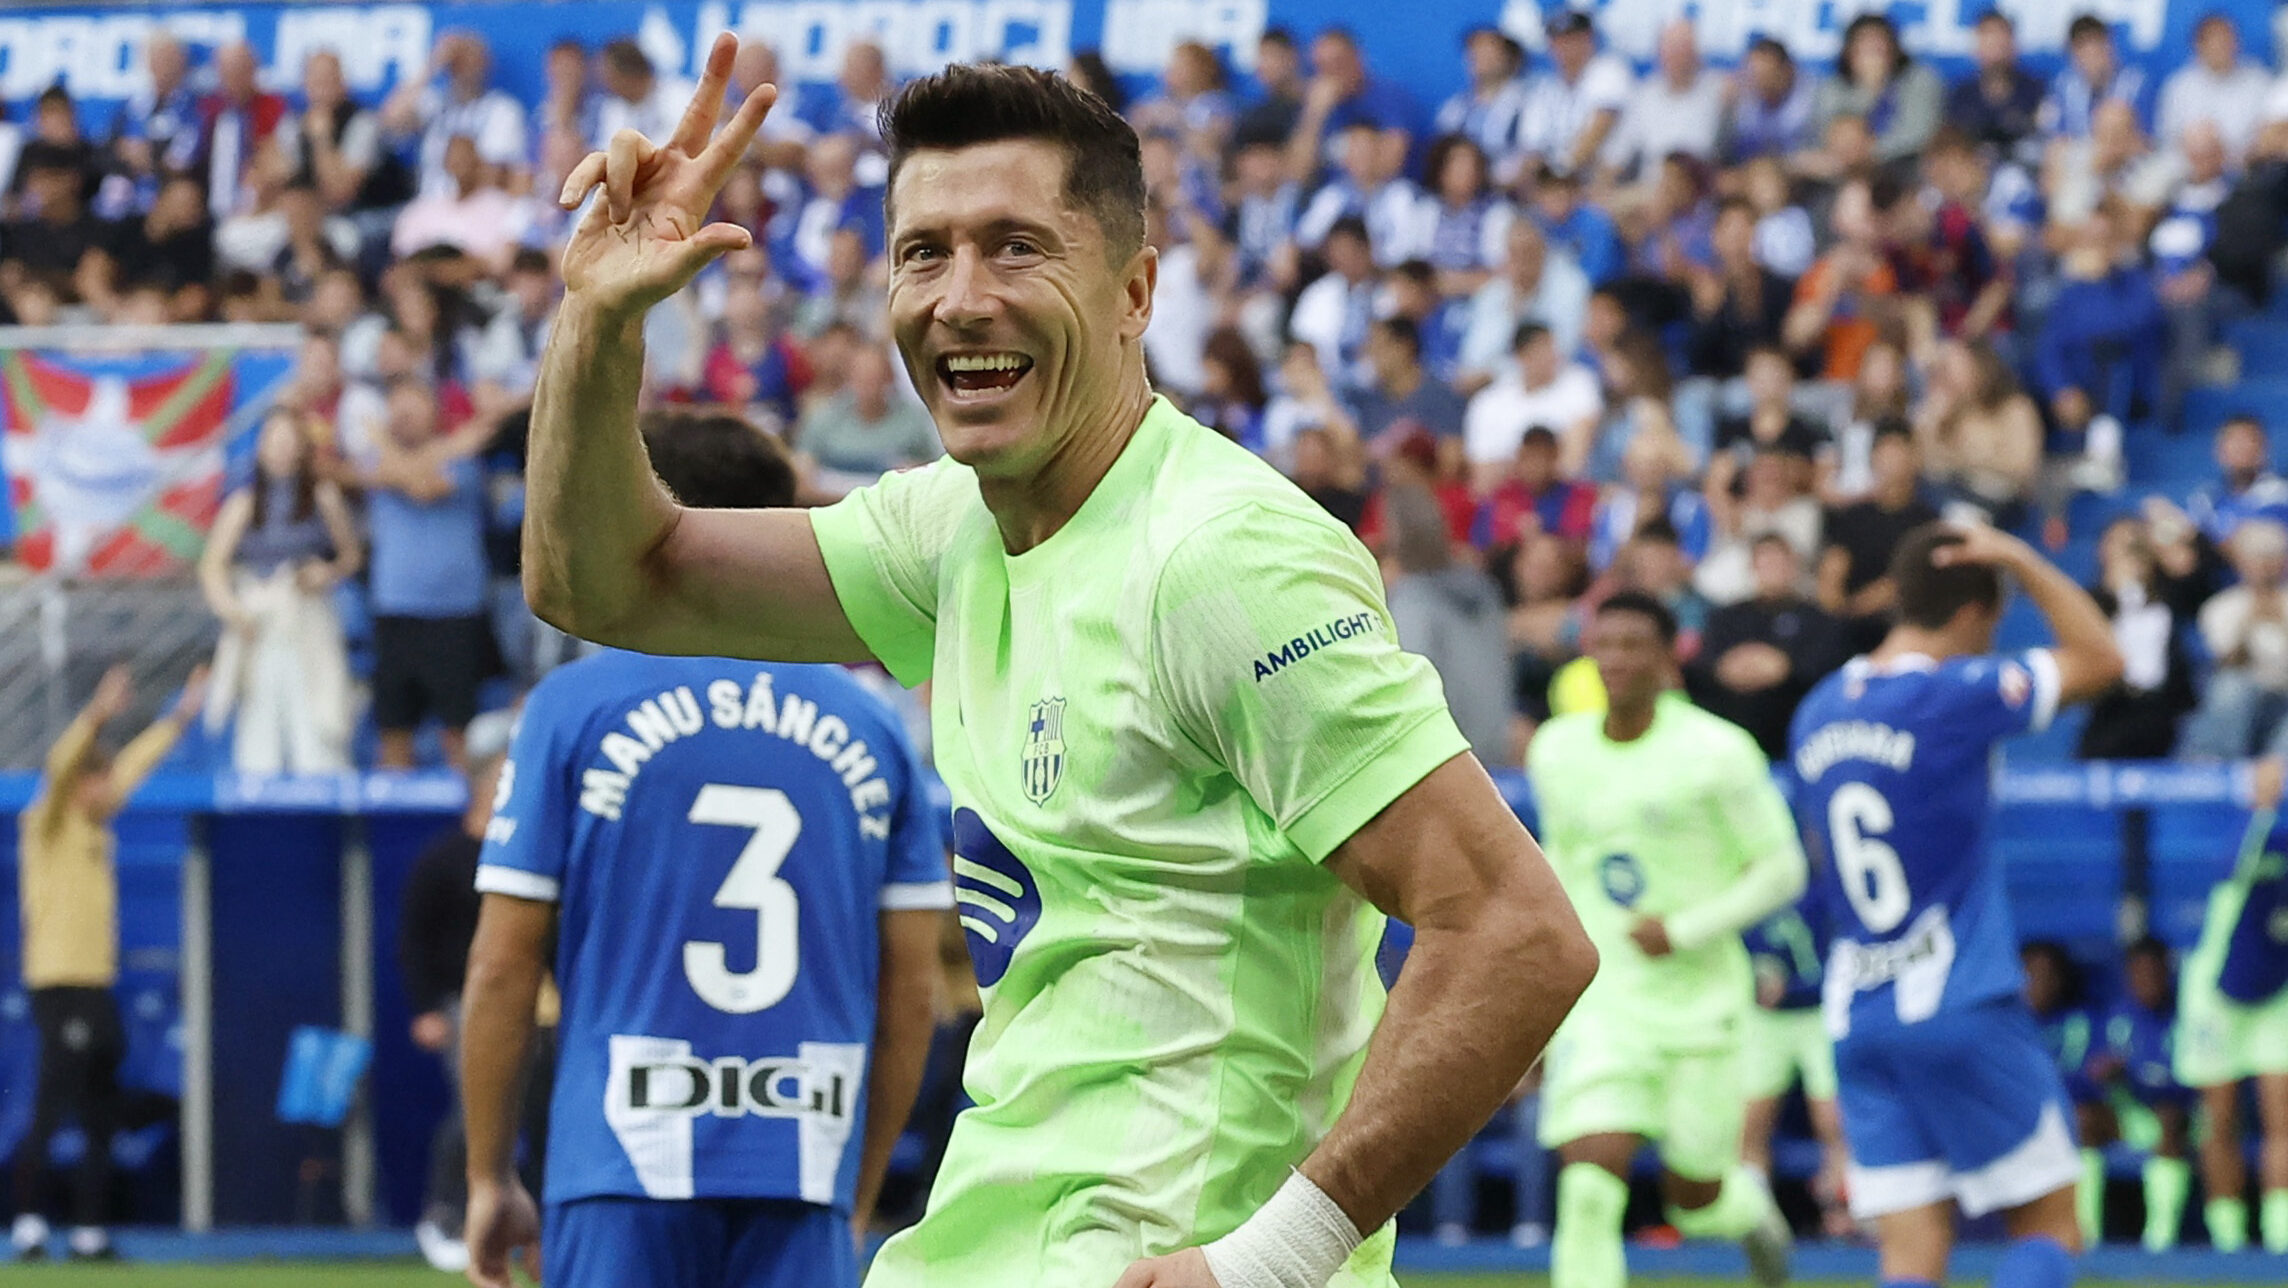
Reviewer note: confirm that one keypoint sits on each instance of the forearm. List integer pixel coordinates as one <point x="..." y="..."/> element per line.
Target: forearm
<point x="141" y="755"/>
<point x="902" y="1030"/>
<point x="2080" y="626"/>
<point x="70" y="751"/>
<point x="1769" y="883"/>
<point x="594" y="513"/>
<point x="496" y="1031"/>
<point x="1472" y="1010"/>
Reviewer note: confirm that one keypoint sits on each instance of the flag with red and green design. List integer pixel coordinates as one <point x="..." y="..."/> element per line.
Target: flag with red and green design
<point x="115" y="462"/>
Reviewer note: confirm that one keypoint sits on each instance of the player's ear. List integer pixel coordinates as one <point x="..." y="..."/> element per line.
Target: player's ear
<point x="1141" y="277"/>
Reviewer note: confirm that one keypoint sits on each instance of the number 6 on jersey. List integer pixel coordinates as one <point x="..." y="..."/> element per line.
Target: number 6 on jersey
<point x="753" y="883"/>
<point x="1873" y="878"/>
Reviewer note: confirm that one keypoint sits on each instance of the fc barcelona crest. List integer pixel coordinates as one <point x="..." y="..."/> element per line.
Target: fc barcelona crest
<point x="1045" y="749"/>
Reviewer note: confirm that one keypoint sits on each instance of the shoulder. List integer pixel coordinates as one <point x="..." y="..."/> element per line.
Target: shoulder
<point x="1560" y="737"/>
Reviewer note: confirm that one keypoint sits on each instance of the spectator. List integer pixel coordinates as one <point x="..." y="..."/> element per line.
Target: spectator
<point x="571" y="105"/>
<point x="1654" y="489"/>
<point x="1232" y="397"/>
<point x="1879" y="394"/>
<point x="68" y="891"/>
<point x="2182" y="237"/>
<point x="2245" y="628"/>
<point x="1760" y="656"/>
<point x="2112" y="163"/>
<point x="1535" y="285"/>
<point x="1899" y="99"/>
<point x="1738" y="305"/>
<point x="635" y="96"/>
<point x="2219" y="87"/>
<point x="2093" y="75"/>
<point x="1193" y="101"/>
<point x="2137" y="719"/>
<point x="170" y="249"/>
<point x="506" y="357"/>
<point x="1637" y="390"/>
<point x="1771" y="499"/>
<point x="156" y="133"/>
<point x="1785" y="240"/>
<point x="1279" y="83"/>
<point x="1368" y="186"/>
<point x="1981" y="434"/>
<point x="1335" y="312"/>
<point x="334" y="145"/>
<point x="1321" y="473"/>
<point x="1439" y="320"/>
<point x="1460" y="227"/>
<point x="1542" y="578"/>
<point x="1655" y="562"/>
<point x="1341" y="95"/>
<point x="755" y="365"/>
<point x="1772" y="423"/>
<point x="861" y="84"/>
<point x="56" y="143"/>
<point x="1572" y="109"/>
<point x="473" y="216"/>
<point x="314" y="243"/>
<point x="1678" y="110"/>
<point x="1305" y="399"/>
<point x="1452" y="614"/>
<point x="2247" y="487"/>
<point x="465" y="105"/>
<point x="1851" y="295"/>
<point x="1403" y="394"/>
<point x="868" y="429"/>
<point x="1535" y="499"/>
<point x="2135" y="1057"/>
<point x="1768" y="108"/>
<point x="1855" y="583"/>
<point x="1999" y="102"/>
<point x="1541" y="389"/>
<point x="432" y="642"/>
<point x="1413" y="464"/>
<point x="1490" y="110"/>
<point x="1945" y="247"/>
<point x="278" y="547"/>
<point x="836" y="201"/>
<point x="2057" y="996"/>
<point x="61" y="244"/>
<point x="1579" y="229"/>
<point x="2098" y="358"/>
<point x="236" y="122"/>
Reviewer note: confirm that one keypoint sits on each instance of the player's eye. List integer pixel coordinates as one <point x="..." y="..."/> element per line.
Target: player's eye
<point x="1022" y="247"/>
<point x="919" y="253"/>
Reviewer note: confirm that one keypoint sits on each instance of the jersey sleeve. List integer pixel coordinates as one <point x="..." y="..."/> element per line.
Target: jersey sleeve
<point x="1275" y="656"/>
<point x="1761" y="832"/>
<point x="882" y="545"/>
<point x="2005" y="694"/>
<point x="527" y="842"/>
<point x="918" y="877"/>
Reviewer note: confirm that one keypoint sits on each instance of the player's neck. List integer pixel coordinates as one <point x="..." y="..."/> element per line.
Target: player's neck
<point x="1031" y="508"/>
<point x="1910" y="641"/>
<point x="1629" y="723"/>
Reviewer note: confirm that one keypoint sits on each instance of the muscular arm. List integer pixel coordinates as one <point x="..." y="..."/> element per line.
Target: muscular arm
<point x="903" y="1019"/>
<point x="507" y="960"/>
<point x="610" y="557"/>
<point x="2089" y="662"/>
<point x="1498" y="960"/>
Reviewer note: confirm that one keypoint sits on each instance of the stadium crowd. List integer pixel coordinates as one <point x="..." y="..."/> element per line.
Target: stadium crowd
<point x="1719" y="336"/>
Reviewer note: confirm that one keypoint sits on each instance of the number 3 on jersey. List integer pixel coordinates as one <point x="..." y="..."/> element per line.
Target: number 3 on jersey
<point x="1873" y="878"/>
<point x="753" y="883"/>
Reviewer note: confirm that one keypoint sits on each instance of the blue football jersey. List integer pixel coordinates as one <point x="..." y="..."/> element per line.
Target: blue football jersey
<point x="1788" y="949"/>
<point x="2144" y="1041"/>
<point x="1896" y="762"/>
<point x="721" y="838"/>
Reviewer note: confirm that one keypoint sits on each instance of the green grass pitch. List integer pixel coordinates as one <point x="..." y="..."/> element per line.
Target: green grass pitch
<point x="412" y="1275"/>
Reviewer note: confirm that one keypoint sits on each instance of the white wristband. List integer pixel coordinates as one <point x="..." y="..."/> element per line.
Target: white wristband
<point x="1297" y="1240"/>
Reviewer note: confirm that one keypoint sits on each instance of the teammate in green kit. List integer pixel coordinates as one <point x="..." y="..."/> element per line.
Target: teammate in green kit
<point x="1669" y="836"/>
<point x="1191" y="768"/>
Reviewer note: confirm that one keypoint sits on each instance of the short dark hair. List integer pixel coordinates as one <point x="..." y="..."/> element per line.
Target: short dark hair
<point x="1994" y="16"/>
<point x="1349" y="226"/>
<point x="1950" y="138"/>
<point x="1895" y="427"/>
<point x="627" y="57"/>
<point x="1527" y="332"/>
<point x="2084" y="26"/>
<point x="1403" y="330"/>
<point x="2243" y="417"/>
<point x="1541" y="436"/>
<point x="1645" y="606"/>
<point x="969" y="104"/>
<point x="1775" y="47"/>
<point x="1418" y="271"/>
<point x="1929" y="595"/>
<point x="530" y="259"/>
<point x="716" y="461"/>
<point x="1771" y="538"/>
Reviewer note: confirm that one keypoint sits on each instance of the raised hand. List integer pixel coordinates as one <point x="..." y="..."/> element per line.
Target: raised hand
<point x="1983" y="543"/>
<point x="193" y="696"/>
<point x="647" y="238"/>
<point x="113" y="692"/>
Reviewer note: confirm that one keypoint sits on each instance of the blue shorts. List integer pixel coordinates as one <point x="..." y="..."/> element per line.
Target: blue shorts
<point x="696" y="1243"/>
<point x="1965" y="1106"/>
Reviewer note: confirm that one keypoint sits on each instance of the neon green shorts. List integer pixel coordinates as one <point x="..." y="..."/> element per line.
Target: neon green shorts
<point x="1608" y="1077"/>
<point x="1780" y="1047"/>
<point x="2220" y="1041"/>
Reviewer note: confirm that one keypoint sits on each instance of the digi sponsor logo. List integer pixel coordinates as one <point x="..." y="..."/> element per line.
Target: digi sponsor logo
<point x="996" y="894"/>
<point x="733" y="1087"/>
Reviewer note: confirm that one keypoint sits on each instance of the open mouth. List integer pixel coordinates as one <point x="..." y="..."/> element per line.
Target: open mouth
<point x="982" y="375"/>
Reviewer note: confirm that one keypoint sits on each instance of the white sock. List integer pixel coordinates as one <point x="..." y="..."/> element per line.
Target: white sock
<point x="30" y="1231"/>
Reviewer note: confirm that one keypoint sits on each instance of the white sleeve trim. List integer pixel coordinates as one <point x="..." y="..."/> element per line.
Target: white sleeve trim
<point x="912" y="896"/>
<point x="2047" y="684"/>
<point x="494" y="878"/>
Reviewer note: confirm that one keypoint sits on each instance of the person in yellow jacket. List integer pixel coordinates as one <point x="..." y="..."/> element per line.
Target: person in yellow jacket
<point x="69" y="896"/>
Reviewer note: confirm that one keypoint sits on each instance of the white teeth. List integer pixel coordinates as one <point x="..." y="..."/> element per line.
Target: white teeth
<point x="986" y="362"/>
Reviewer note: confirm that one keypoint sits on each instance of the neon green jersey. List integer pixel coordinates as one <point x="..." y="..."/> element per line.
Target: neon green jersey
<point x="1155" y="725"/>
<point x="1662" y="826"/>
